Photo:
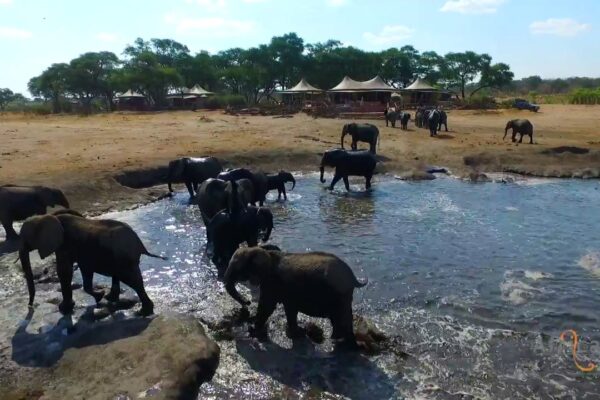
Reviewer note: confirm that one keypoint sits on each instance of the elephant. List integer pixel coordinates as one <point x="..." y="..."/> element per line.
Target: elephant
<point x="443" y="120"/>
<point x="18" y="203"/>
<point x="419" y="118"/>
<point x="348" y="163"/>
<point x="433" y="121"/>
<point x="404" y="118"/>
<point x="214" y="196"/>
<point x="391" y="117"/>
<point x="522" y="126"/>
<point x="229" y="229"/>
<point x="363" y="133"/>
<point x="106" y="247"/>
<point x="278" y="182"/>
<point x="425" y="118"/>
<point x="192" y="171"/>
<point x="258" y="179"/>
<point x="316" y="284"/>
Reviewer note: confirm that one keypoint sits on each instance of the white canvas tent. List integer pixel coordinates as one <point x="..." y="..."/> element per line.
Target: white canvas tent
<point x="302" y="87"/>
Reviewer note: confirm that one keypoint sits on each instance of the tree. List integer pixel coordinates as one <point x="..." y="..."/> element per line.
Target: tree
<point x="90" y="76"/>
<point x="6" y="96"/>
<point x="494" y="76"/>
<point x="51" y="84"/>
<point x="287" y="52"/>
<point x="430" y="67"/>
<point x="532" y="82"/>
<point x="460" y="69"/>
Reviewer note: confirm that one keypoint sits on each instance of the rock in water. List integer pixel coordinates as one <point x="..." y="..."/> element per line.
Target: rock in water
<point x="132" y="356"/>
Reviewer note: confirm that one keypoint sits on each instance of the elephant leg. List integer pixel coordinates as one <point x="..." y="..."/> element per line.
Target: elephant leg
<point x="345" y="326"/>
<point x="266" y="307"/>
<point x="530" y="139"/>
<point x="291" y="314"/>
<point x="64" y="270"/>
<point x="133" y="279"/>
<point x="10" y="231"/>
<point x="354" y="144"/>
<point x="195" y="186"/>
<point x="514" y="136"/>
<point x="284" y="193"/>
<point x="346" y="182"/>
<point x="368" y="181"/>
<point x="446" y="126"/>
<point x="189" y="187"/>
<point x="115" y="290"/>
<point x="521" y="138"/>
<point x="335" y="180"/>
<point x="88" y="283"/>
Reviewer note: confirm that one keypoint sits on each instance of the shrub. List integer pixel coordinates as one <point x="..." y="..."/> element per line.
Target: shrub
<point x="585" y="96"/>
<point x="223" y="101"/>
<point x="478" y="103"/>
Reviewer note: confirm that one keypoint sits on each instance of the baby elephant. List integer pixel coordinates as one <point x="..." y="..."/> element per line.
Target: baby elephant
<point x="278" y="182"/>
<point x="316" y="284"/>
<point x="106" y="247"/>
<point x="522" y="126"/>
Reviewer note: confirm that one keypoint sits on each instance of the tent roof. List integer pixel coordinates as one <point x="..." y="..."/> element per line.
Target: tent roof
<point x="373" y="85"/>
<point x="303" y="87"/>
<point x="197" y="90"/>
<point x="130" y="93"/>
<point x="420" y="84"/>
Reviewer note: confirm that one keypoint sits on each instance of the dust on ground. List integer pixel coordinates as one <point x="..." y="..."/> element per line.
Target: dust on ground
<point x="82" y="155"/>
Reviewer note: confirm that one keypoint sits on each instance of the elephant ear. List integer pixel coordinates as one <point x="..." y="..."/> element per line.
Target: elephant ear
<point x="260" y="262"/>
<point x="45" y="233"/>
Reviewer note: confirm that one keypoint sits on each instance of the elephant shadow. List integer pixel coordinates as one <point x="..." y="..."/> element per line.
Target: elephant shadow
<point x="444" y="136"/>
<point x="349" y="374"/>
<point x="46" y="348"/>
<point x="8" y="246"/>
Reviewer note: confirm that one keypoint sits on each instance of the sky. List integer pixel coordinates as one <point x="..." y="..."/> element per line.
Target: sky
<point x="550" y="38"/>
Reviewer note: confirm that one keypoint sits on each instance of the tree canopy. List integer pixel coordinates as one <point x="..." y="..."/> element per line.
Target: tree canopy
<point x="155" y="66"/>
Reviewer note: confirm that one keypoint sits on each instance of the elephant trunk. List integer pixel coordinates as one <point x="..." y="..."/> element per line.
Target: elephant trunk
<point x="232" y="290"/>
<point x="170" y="187"/>
<point x="342" y="140"/>
<point x="293" y="180"/>
<point x="26" y="265"/>
<point x="322" y="172"/>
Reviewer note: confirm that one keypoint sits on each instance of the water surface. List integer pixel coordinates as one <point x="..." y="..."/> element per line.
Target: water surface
<point x="478" y="280"/>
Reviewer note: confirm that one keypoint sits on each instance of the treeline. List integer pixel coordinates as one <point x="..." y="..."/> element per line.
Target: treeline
<point x="551" y="86"/>
<point x="155" y="66"/>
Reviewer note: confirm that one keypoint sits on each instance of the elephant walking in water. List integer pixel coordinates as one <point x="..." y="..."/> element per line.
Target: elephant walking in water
<point x="362" y="133"/>
<point x="192" y="172"/>
<point x="278" y="182"/>
<point x="348" y="163"/>
<point x="522" y="126"/>
<point x="106" y="247"/>
<point x="18" y="203"/>
<point x="316" y="284"/>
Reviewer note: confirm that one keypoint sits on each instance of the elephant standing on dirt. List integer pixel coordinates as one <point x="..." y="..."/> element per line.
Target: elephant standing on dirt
<point x="107" y="247"/>
<point x="522" y="126"/>
<point x="391" y="116"/>
<point x="316" y="284"/>
<point x="258" y="179"/>
<point x="404" y="118"/>
<point x="192" y="172"/>
<point x="18" y="203"/>
<point x="278" y="182"/>
<point x="214" y="196"/>
<point x="348" y="163"/>
<point x="443" y="120"/>
<point x="433" y="121"/>
<point x="363" y="133"/>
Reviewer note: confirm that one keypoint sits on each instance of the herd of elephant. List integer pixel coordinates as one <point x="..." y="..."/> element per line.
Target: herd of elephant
<point x="232" y="207"/>
<point x="317" y="284"/>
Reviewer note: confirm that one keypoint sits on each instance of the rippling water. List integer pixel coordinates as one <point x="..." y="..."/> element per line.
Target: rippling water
<point x="477" y="279"/>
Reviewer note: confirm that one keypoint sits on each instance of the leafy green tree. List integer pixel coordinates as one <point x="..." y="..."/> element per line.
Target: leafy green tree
<point x="430" y="67"/>
<point x="6" y="96"/>
<point x="287" y="53"/>
<point x="460" y="69"/>
<point x="51" y="85"/>
<point x="90" y="77"/>
<point x="494" y="76"/>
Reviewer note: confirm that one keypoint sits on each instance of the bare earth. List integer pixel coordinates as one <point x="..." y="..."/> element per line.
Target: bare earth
<point x="81" y="155"/>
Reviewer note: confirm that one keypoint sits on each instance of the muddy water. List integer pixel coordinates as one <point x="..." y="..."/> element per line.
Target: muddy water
<point x="475" y="281"/>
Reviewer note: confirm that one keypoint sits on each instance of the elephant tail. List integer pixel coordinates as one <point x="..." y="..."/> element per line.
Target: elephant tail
<point x="360" y="284"/>
<point x="147" y="253"/>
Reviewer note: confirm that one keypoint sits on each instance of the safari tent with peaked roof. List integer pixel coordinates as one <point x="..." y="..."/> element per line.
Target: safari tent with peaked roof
<point x="131" y="100"/>
<point x="188" y="97"/>
<point x="422" y="93"/>
<point x="362" y="96"/>
<point x="302" y="87"/>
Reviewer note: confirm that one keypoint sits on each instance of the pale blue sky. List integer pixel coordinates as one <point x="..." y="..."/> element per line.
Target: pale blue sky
<point x="551" y="38"/>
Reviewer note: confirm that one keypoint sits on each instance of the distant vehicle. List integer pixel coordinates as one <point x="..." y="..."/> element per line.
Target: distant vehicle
<point x="523" y="104"/>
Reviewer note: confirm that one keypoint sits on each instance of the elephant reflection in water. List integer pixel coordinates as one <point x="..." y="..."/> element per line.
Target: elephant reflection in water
<point x="348" y="208"/>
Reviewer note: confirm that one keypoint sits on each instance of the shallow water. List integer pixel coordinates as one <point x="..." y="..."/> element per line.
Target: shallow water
<point x="478" y="280"/>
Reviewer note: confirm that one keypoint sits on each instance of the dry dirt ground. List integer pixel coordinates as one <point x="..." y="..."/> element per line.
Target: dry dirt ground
<point x="82" y="155"/>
